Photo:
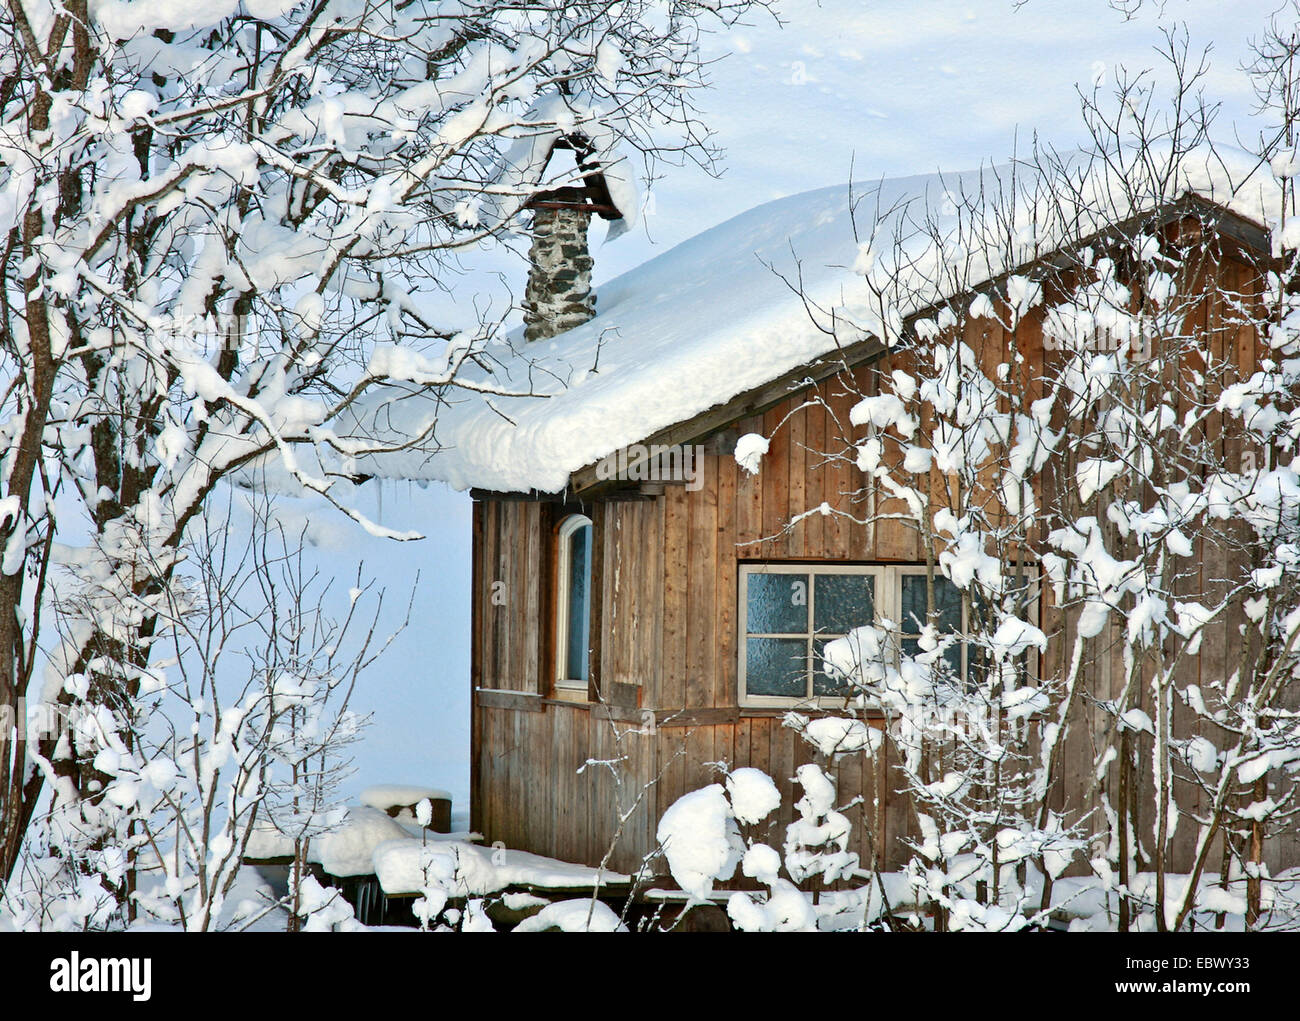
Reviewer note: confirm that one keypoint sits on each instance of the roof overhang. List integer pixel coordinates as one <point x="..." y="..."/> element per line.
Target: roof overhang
<point x="1245" y="238"/>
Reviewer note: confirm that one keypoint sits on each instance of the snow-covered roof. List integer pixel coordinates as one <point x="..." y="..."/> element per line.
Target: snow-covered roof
<point x="711" y="319"/>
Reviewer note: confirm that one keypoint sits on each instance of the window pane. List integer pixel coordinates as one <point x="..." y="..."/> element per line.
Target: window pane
<point x="777" y="604"/>
<point x="823" y="683"/>
<point x="579" y="623"/>
<point x="842" y="602"/>
<point x="776" y="666"/>
<point x="947" y="601"/>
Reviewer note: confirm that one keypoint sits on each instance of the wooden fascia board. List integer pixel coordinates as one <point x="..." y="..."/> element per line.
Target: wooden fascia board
<point x="586" y="484"/>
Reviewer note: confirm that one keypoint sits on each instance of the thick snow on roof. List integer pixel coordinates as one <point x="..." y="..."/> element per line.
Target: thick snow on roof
<point x="712" y="318"/>
<point x="697" y="325"/>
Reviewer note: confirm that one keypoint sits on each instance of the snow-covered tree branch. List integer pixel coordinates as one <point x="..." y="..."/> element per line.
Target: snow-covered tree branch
<point x="221" y="227"/>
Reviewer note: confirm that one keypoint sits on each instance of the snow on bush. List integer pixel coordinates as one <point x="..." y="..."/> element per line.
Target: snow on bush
<point x="786" y="908"/>
<point x="749" y="452"/>
<point x="816" y="844"/>
<point x="324" y="909"/>
<point x="700" y="832"/>
<point x="836" y="735"/>
<point x="700" y="840"/>
<point x="753" y="795"/>
<point x="573" y="916"/>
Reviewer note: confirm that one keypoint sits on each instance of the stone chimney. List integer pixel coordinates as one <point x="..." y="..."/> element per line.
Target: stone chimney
<point x="559" y="296"/>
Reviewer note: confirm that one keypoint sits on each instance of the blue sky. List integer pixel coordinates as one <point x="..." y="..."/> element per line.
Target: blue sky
<point x="900" y="87"/>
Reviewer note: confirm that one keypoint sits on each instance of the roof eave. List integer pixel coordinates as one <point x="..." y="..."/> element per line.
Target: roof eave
<point x="1241" y="232"/>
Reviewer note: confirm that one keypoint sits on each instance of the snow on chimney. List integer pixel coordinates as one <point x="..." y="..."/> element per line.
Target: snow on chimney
<point x="559" y="295"/>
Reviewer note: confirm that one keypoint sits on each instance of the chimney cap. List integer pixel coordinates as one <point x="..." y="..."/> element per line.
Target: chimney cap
<point x="592" y="196"/>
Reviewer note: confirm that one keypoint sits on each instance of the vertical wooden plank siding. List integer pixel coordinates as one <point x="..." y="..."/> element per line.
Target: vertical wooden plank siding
<point x="666" y="629"/>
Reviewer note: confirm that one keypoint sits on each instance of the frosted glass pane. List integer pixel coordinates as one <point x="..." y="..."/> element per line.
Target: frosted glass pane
<point x="842" y="602"/>
<point x="776" y="666"/>
<point x="777" y="604"/>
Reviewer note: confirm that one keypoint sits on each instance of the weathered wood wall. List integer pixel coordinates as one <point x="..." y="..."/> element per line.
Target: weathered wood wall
<point x="665" y="631"/>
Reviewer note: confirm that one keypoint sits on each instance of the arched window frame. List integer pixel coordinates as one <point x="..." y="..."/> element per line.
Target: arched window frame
<point x="571" y="524"/>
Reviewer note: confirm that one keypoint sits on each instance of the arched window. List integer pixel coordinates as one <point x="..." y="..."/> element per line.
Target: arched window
<point x="573" y="602"/>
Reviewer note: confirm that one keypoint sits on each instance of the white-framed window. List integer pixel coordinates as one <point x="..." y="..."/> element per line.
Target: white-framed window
<point x="573" y="603"/>
<point x="788" y="612"/>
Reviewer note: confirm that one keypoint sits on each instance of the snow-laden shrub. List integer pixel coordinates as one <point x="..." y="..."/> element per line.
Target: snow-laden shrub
<point x="586" y="915"/>
<point x="700" y="840"/>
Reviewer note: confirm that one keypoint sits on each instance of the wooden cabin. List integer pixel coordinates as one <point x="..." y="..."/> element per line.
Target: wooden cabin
<point x="621" y="640"/>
